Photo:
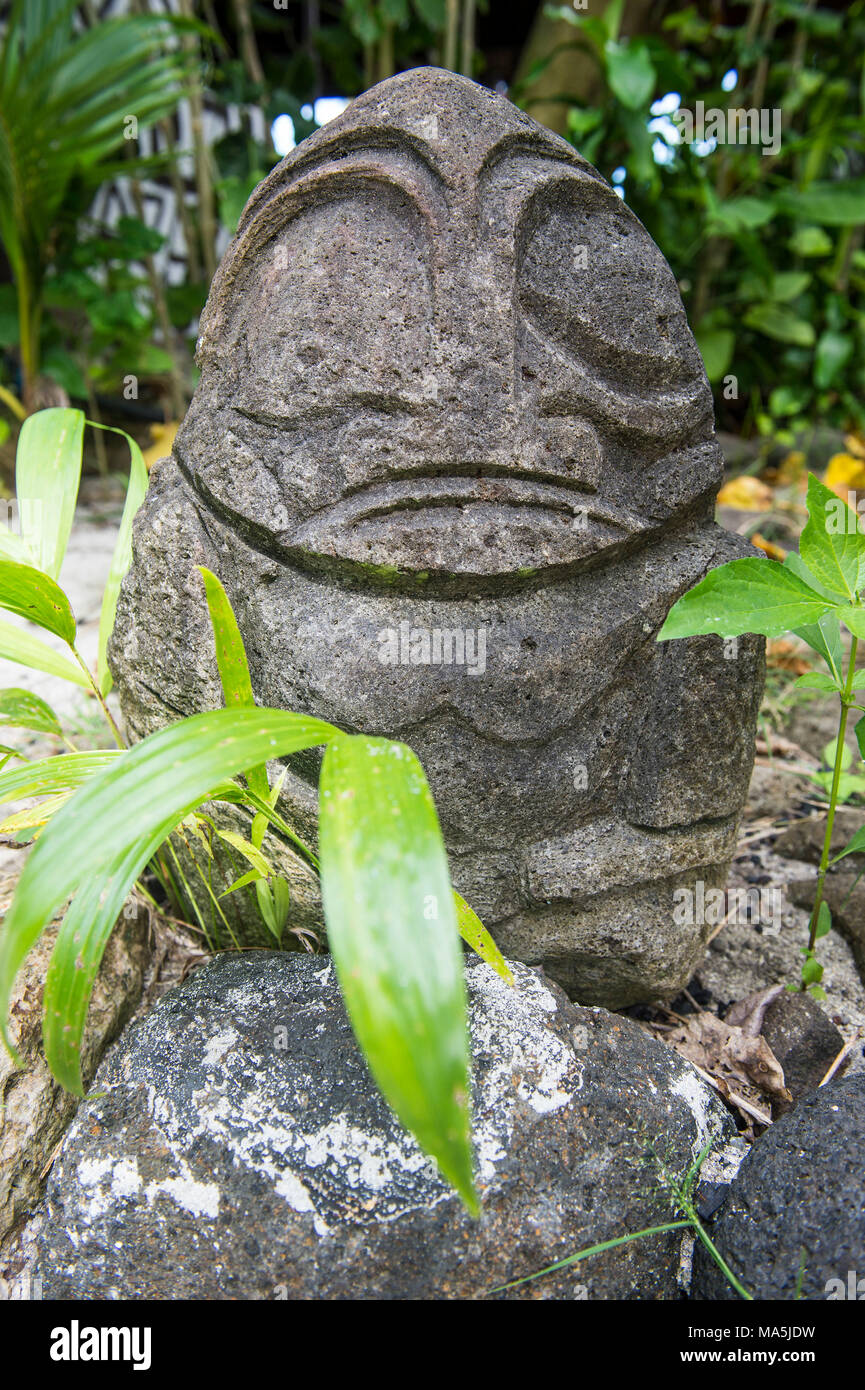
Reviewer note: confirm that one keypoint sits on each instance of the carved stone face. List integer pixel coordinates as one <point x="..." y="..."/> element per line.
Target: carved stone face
<point x="447" y="387"/>
<point x="441" y="344"/>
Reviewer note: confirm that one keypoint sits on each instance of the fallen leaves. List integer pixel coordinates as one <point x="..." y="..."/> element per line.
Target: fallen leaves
<point x="733" y="1056"/>
<point x="845" y="473"/>
<point x="746" y="494"/>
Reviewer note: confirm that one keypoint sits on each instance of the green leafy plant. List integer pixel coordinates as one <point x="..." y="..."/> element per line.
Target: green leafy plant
<point x="813" y="593"/>
<point x="393" y="920"/>
<point x="66" y="96"/>
<point x="682" y="1193"/>
<point x="767" y="249"/>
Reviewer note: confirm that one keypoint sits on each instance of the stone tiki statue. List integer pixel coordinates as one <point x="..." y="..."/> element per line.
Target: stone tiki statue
<point x="452" y="456"/>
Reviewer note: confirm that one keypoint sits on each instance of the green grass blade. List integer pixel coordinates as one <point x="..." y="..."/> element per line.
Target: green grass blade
<point x="391" y="924"/>
<point x="593" y="1250"/>
<point x="121" y="559"/>
<point x="232" y="663"/>
<point x="35" y="596"/>
<point x="161" y="780"/>
<point x="20" y="646"/>
<point x="77" y="954"/>
<point x="47" y="475"/>
<point x="475" y="934"/>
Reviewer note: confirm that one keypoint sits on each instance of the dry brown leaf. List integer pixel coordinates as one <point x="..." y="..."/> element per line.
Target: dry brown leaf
<point x="749" y="1013"/>
<point x="730" y="1054"/>
<point x="783" y="655"/>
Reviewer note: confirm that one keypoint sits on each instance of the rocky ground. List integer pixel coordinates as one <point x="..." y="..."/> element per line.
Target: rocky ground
<point x="759" y="1051"/>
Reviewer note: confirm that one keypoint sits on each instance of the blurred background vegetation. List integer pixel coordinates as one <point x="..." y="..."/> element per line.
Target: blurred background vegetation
<point x="111" y="229"/>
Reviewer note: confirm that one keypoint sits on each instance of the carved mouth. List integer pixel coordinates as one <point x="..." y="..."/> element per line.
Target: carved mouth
<point x="492" y="522"/>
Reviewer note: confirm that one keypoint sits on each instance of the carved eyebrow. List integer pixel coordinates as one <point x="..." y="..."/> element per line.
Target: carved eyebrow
<point x="516" y="146"/>
<point x="341" y="149"/>
<point x="389" y="403"/>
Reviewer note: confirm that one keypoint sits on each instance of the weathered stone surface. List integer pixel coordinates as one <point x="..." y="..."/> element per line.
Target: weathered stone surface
<point x="241" y="1150"/>
<point x="803" y="1039"/>
<point x="800" y="1189"/>
<point x="35" y="1110"/>
<point x="452" y="455"/>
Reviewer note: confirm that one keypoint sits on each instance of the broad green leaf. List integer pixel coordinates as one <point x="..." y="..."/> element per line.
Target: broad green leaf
<point x="829" y="204"/>
<point x="780" y="322"/>
<point x="630" y="72"/>
<point x="392" y="930"/>
<point x="735" y="215"/>
<point x="833" y="352"/>
<point x="716" y="348"/>
<point x="159" y="781"/>
<point x="47" y="476"/>
<point x="16" y="644"/>
<point x="744" y="596"/>
<point x="281" y="900"/>
<point x="793" y="561"/>
<point x="831" y="545"/>
<point x="33" y="595"/>
<point x="816" y="680"/>
<point x="273" y="905"/>
<point x="789" y="284"/>
<point x="232" y="663"/>
<point x="810" y="241"/>
<point x="812" y="971"/>
<point x="475" y="934"/>
<point x="858" y="680"/>
<point x="854" y="619"/>
<point x="824" y="637"/>
<point x="824" y="922"/>
<point x="830" y="751"/>
<point x="856" y="846"/>
<point x="121" y="559"/>
<point x="23" y="710"/>
<point x="49" y="775"/>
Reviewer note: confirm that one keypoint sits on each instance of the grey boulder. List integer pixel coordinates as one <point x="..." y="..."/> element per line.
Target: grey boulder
<point x="793" y="1223"/>
<point x="238" y="1149"/>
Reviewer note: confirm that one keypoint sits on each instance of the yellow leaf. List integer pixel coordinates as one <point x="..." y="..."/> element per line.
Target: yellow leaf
<point x="163" y="439"/>
<point x="855" y="444"/>
<point x="844" y="472"/>
<point x="775" y="552"/>
<point x="746" y="494"/>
